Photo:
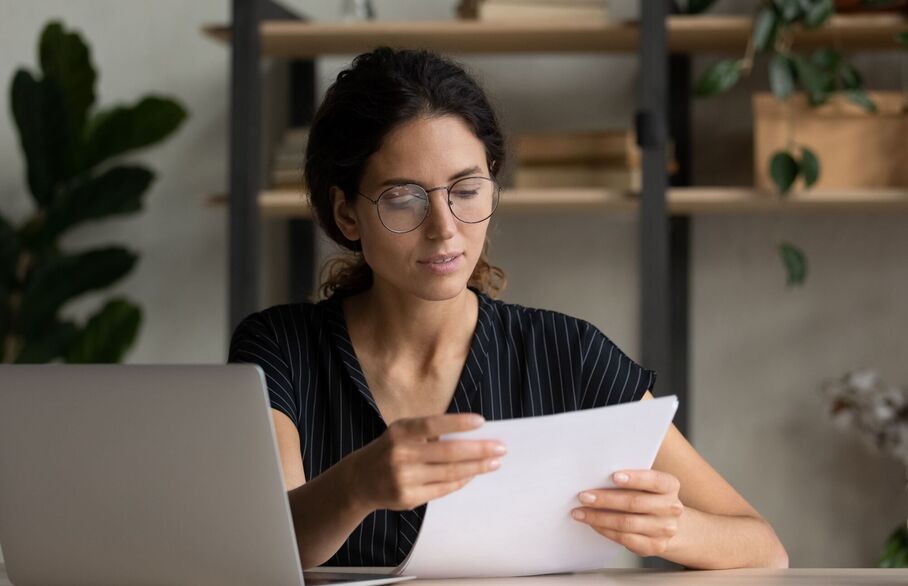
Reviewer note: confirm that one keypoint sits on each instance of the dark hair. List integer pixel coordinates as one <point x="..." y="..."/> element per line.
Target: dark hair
<point x="378" y="92"/>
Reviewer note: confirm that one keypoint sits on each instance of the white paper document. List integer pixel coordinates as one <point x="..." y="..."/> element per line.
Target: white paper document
<point x="516" y="521"/>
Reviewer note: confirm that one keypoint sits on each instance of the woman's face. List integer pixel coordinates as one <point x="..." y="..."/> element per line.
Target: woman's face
<point x="430" y="152"/>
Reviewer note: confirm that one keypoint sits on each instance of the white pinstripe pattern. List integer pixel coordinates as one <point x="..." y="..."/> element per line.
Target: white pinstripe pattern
<point x="522" y="362"/>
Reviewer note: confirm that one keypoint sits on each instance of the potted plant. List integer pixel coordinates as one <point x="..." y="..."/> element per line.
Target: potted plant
<point x="74" y="169"/>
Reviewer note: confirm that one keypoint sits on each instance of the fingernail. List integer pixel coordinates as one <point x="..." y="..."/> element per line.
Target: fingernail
<point x="587" y="497"/>
<point x="499" y="449"/>
<point x="621" y="477"/>
<point x="579" y="515"/>
<point x="477" y="420"/>
<point x="494" y="464"/>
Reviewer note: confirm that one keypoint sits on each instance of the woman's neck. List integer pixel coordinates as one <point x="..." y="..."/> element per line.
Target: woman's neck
<point x="401" y="329"/>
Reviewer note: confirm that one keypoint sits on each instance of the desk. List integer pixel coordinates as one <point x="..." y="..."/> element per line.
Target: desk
<point x="645" y="577"/>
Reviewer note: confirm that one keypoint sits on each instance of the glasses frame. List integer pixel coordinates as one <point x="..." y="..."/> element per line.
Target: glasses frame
<point x="496" y="196"/>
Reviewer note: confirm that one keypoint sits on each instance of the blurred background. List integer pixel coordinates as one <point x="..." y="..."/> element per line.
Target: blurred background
<point x="760" y="348"/>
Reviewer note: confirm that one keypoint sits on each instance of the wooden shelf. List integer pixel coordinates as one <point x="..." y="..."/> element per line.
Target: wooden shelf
<point x="687" y="34"/>
<point x="683" y="201"/>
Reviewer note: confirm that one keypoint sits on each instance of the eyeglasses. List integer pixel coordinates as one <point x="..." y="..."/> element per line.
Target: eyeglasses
<point x="403" y="208"/>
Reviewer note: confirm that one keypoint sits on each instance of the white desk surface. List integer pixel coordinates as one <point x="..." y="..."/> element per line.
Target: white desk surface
<point x="640" y="577"/>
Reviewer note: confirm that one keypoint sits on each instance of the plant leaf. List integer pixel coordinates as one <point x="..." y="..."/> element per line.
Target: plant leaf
<point x="815" y="82"/>
<point x="61" y="278"/>
<point x="789" y="10"/>
<point x="117" y="191"/>
<point x="39" y="110"/>
<point x="125" y="128"/>
<point x="784" y="170"/>
<point x="795" y="263"/>
<point x="818" y="13"/>
<point x="66" y="60"/>
<point x="810" y="166"/>
<point x="850" y="76"/>
<point x="9" y="252"/>
<point x="718" y="78"/>
<point x="49" y="344"/>
<point x="764" y="32"/>
<point x="895" y="552"/>
<point x="781" y="77"/>
<point x="902" y="38"/>
<point x="108" y="335"/>
<point x="859" y="97"/>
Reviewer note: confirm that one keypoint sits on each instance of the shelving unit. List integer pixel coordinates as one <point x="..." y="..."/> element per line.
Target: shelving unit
<point x="664" y="43"/>
<point x="686" y="34"/>
<point x="290" y="204"/>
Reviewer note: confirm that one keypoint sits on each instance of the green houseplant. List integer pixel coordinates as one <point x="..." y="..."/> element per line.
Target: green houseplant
<point x="72" y="153"/>
<point x="820" y="75"/>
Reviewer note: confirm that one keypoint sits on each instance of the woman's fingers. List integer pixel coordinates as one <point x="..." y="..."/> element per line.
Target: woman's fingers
<point x="451" y="471"/>
<point x="424" y="428"/>
<point x="630" y="522"/>
<point x="631" y="501"/>
<point x="457" y="450"/>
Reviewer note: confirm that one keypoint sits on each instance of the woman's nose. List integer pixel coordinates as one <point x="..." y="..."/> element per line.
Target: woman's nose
<point x="441" y="222"/>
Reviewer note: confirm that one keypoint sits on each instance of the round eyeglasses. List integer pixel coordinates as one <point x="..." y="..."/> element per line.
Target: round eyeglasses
<point x="403" y="208"/>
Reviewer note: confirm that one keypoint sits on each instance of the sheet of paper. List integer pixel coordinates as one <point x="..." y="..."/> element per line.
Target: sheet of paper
<point x="516" y="520"/>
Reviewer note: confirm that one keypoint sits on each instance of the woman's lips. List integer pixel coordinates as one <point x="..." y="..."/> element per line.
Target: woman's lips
<point x="443" y="268"/>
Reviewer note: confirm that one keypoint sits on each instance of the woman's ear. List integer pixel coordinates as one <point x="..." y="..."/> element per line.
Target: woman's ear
<point x="344" y="215"/>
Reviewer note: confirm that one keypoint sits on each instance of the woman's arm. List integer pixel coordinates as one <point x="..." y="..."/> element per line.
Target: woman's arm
<point x="714" y="529"/>
<point x="324" y="513"/>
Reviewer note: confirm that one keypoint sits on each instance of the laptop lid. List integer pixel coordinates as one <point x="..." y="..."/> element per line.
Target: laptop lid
<point x="113" y="474"/>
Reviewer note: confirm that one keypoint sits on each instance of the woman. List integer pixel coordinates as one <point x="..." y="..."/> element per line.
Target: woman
<point x="411" y="338"/>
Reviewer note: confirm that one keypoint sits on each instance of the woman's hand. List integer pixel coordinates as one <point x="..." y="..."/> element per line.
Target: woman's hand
<point x="642" y="514"/>
<point x="407" y="466"/>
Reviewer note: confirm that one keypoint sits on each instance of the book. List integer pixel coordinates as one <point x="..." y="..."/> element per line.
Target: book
<point x="581" y="175"/>
<point x="612" y="146"/>
<point x="534" y="11"/>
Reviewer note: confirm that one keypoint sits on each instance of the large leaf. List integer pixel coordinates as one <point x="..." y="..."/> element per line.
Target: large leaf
<point x="781" y="76"/>
<point x="62" y="278"/>
<point x="765" y="27"/>
<point x="9" y="252"/>
<point x="718" y="77"/>
<point x="40" y="113"/>
<point x="125" y="128"/>
<point x="784" y="170"/>
<point x="108" y="334"/>
<point x="795" y="263"/>
<point x="66" y="60"/>
<point x="810" y="166"/>
<point x="818" y="12"/>
<point x="118" y="190"/>
<point x="49" y="344"/>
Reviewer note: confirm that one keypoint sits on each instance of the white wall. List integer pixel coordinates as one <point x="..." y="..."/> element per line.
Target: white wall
<point x="759" y="350"/>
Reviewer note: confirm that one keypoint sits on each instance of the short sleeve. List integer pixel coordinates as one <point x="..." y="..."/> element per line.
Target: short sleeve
<point x="254" y="341"/>
<point x="609" y="376"/>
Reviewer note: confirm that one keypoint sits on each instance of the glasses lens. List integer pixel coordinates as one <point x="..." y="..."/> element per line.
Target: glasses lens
<point x="474" y="199"/>
<point x="403" y="208"/>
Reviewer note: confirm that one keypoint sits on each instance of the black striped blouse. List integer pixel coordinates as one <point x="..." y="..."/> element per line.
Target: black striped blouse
<point x="522" y="362"/>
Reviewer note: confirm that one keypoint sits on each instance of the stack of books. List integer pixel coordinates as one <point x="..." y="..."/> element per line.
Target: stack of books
<point x="541" y="10"/>
<point x="288" y="159"/>
<point x="606" y="158"/>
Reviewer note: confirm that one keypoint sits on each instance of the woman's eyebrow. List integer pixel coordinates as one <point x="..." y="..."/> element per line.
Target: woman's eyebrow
<point x="399" y="180"/>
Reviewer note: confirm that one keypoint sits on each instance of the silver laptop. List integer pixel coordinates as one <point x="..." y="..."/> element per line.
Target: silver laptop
<point x="128" y="475"/>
